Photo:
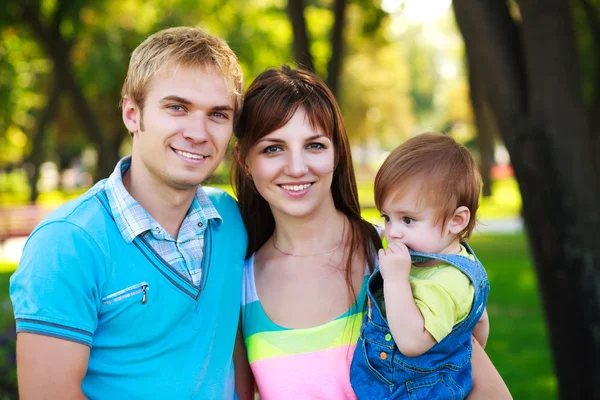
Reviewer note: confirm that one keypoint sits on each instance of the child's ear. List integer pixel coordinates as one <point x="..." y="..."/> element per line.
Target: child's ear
<point x="459" y="220"/>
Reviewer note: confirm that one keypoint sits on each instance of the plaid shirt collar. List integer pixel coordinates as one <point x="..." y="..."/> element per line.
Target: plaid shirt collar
<point x="132" y="219"/>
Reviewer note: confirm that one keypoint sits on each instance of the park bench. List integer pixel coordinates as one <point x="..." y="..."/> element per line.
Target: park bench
<point x="19" y="221"/>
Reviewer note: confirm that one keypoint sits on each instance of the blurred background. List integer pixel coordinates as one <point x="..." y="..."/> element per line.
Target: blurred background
<point x="516" y="81"/>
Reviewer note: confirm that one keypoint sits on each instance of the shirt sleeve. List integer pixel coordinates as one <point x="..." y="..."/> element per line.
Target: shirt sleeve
<point x="444" y="299"/>
<point x="55" y="290"/>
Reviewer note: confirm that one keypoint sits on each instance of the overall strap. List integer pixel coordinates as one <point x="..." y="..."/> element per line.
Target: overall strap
<point x="470" y="267"/>
<point x="474" y="270"/>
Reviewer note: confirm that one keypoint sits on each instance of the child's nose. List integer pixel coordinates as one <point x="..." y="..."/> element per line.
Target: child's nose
<point x="395" y="232"/>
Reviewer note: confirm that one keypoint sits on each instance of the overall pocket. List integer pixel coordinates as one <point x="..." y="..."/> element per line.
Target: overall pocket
<point x="378" y="363"/>
<point x="439" y="386"/>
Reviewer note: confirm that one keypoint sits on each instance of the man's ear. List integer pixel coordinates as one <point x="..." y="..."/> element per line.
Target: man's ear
<point x="459" y="221"/>
<point x="131" y="115"/>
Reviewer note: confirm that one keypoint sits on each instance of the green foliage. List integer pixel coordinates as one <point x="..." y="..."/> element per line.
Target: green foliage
<point x="8" y="371"/>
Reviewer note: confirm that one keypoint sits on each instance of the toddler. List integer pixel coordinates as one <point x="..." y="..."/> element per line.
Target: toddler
<point x="415" y="341"/>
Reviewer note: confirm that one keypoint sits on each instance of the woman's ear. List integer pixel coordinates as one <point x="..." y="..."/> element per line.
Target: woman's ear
<point x="459" y="221"/>
<point x="241" y="163"/>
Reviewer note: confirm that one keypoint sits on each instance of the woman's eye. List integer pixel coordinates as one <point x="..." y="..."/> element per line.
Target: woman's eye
<point x="408" y="220"/>
<point x="271" y="149"/>
<point x="315" y="146"/>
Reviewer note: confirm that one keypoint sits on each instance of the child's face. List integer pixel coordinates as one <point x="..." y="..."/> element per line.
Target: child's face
<point x="410" y="220"/>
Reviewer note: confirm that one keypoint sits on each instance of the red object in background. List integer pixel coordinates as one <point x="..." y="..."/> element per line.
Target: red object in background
<point x="498" y="172"/>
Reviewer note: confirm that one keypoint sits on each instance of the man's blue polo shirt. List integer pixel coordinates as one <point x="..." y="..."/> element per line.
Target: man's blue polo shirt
<point x="152" y="333"/>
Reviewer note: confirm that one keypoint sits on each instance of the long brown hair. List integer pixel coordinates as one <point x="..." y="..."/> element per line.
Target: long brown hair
<point x="269" y="103"/>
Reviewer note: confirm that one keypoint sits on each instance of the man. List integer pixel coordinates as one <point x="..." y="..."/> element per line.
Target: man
<point x="133" y="290"/>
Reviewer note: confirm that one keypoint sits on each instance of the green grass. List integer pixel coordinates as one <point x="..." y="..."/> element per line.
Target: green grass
<point x="518" y="343"/>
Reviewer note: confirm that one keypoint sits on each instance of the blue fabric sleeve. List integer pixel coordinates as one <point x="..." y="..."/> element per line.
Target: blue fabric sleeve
<point x="55" y="290"/>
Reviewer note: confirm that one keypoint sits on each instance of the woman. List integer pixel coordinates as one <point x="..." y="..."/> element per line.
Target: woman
<point x="309" y="249"/>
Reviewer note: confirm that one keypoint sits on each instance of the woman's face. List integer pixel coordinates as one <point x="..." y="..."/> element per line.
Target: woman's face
<point x="292" y="168"/>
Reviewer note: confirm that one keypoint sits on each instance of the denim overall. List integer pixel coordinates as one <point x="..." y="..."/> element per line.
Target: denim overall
<point x="380" y="371"/>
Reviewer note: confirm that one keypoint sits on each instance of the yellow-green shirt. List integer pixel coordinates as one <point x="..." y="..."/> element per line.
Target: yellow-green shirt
<point x="443" y="294"/>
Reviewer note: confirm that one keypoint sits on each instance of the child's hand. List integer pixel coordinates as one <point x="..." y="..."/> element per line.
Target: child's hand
<point x="394" y="262"/>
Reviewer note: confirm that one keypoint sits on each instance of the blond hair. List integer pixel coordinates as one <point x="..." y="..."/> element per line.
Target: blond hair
<point x="438" y="165"/>
<point x="181" y="47"/>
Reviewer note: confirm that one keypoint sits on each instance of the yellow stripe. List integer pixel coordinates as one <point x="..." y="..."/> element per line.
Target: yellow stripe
<point x="343" y="331"/>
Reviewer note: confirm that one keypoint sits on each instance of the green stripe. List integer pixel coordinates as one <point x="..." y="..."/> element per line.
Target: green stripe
<point x="339" y="332"/>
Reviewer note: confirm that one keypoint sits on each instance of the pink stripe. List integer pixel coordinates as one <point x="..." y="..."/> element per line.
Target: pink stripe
<point x="318" y="375"/>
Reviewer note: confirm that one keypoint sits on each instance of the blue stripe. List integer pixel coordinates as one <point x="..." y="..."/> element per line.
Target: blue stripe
<point x="67" y="328"/>
<point x="137" y="242"/>
<point x="54" y="335"/>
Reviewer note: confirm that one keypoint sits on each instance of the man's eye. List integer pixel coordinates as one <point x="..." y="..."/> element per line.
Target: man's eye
<point x="271" y="149"/>
<point x="176" y="107"/>
<point x="408" y="220"/>
<point x="220" y="115"/>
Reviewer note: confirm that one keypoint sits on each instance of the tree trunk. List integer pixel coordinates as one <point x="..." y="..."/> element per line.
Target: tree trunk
<point x="301" y="42"/>
<point x="334" y="67"/>
<point x="594" y="108"/>
<point x="545" y="130"/>
<point x="36" y="155"/>
<point x="483" y="125"/>
<point x="58" y="50"/>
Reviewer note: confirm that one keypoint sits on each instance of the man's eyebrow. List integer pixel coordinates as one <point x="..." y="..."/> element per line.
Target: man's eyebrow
<point x="222" y="108"/>
<point x="177" y="99"/>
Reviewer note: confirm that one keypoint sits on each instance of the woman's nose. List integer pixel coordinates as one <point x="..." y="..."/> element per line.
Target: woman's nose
<point x="296" y="165"/>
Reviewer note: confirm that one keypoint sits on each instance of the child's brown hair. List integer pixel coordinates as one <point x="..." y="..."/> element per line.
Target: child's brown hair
<point x="441" y="167"/>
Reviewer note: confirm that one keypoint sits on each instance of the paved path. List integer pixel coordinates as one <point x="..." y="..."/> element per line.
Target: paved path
<point x="10" y="251"/>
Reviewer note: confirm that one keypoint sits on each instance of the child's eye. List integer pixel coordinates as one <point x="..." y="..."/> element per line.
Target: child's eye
<point x="408" y="220"/>
<point x="272" y="149"/>
<point x="385" y="218"/>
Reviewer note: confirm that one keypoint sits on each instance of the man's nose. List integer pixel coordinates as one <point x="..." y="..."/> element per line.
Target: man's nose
<point x="197" y="129"/>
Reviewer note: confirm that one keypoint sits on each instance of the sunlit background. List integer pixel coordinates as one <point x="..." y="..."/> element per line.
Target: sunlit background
<point x="402" y="70"/>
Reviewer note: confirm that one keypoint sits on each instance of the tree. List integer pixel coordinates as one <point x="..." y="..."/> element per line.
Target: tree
<point x="534" y="88"/>
<point x="373" y="16"/>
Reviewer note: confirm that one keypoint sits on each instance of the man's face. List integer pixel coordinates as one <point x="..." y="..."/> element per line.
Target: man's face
<point x="187" y="124"/>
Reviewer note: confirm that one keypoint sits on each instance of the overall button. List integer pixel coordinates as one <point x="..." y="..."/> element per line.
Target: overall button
<point x="388" y="337"/>
<point x="383" y="355"/>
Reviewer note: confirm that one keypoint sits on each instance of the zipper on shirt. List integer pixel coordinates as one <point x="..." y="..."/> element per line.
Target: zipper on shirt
<point x="144" y="291"/>
<point x="134" y="290"/>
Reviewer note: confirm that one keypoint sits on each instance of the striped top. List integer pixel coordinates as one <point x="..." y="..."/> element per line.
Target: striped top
<point x="310" y="363"/>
